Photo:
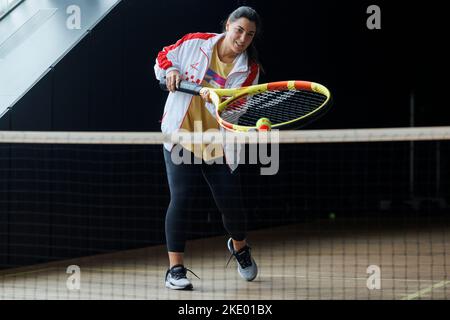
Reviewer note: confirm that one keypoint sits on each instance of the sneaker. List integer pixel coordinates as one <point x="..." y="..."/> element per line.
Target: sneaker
<point x="176" y="278"/>
<point x="247" y="267"/>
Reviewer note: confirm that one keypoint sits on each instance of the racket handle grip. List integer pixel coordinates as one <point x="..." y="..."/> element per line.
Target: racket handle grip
<point x="185" y="86"/>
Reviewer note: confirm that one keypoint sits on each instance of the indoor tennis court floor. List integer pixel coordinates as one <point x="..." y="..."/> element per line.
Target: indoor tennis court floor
<point x="320" y="260"/>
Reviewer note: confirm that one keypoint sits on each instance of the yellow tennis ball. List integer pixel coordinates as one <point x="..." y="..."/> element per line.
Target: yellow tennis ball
<point x="264" y="124"/>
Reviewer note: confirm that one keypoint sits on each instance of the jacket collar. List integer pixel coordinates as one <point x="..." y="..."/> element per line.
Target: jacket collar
<point x="241" y="64"/>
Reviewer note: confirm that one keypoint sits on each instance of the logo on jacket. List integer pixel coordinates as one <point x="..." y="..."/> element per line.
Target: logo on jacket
<point x="195" y="66"/>
<point x="214" y="79"/>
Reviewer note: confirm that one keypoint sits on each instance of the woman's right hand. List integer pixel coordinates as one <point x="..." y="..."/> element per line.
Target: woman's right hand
<point x="173" y="80"/>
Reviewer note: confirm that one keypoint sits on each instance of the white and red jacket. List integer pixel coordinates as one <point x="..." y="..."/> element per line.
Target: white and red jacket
<point x="191" y="56"/>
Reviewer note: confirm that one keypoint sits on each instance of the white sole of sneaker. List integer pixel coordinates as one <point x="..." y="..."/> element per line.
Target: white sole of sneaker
<point x="174" y="287"/>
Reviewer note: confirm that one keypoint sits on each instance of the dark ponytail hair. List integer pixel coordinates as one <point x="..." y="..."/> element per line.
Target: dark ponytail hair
<point x="250" y="14"/>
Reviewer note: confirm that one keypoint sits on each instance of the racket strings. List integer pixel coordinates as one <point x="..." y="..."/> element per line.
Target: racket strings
<point x="278" y="106"/>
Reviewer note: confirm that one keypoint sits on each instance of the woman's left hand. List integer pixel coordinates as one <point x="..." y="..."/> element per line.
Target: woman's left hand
<point x="204" y="93"/>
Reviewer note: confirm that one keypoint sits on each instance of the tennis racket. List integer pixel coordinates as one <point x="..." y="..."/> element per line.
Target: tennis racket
<point x="287" y="104"/>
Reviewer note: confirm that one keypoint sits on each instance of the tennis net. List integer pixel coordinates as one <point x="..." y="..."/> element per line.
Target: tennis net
<point x="331" y="214"/>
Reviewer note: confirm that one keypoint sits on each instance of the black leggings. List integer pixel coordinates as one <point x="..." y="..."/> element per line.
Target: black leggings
<point x="225" y="188"/>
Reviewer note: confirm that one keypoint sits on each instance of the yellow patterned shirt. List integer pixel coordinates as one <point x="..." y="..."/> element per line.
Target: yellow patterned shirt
<point x="198" y="118"/>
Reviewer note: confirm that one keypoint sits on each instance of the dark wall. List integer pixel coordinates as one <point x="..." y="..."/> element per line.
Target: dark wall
<point x="4" y="204"/>
<point x="370" y="72"/>
<point x="29" y="186"/>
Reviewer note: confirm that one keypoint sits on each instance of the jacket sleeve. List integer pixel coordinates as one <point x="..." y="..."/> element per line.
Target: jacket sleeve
<point x="169" y="58"/>
<point x="253" y="77"/>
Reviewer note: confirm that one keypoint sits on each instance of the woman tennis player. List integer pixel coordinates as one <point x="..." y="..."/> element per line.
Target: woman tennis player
<point x="227" y="60"/>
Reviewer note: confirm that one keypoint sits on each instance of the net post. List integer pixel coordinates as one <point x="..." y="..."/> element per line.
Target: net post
<point x="411" y="145"/>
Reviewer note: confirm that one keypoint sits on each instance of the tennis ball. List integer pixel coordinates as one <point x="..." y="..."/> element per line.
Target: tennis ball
<point x="264" y="124"/>
<point x="332" y="216"/>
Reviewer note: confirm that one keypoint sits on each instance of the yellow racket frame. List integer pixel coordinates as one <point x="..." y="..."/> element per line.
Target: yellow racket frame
<point x="232" y="95"/>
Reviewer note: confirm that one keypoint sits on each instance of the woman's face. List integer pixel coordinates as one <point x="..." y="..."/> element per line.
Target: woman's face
<point x="240" y="34"/>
